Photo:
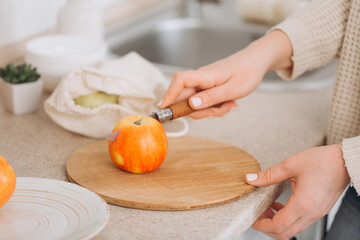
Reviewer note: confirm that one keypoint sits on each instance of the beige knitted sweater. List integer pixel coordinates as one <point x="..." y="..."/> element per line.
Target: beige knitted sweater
<point x="323" y="31"/>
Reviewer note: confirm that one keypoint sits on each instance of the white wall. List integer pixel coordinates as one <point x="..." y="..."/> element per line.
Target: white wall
<point x="22" y="18"/>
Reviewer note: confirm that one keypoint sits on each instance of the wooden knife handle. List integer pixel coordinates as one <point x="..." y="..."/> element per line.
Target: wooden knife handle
<point x="181" y="109"/>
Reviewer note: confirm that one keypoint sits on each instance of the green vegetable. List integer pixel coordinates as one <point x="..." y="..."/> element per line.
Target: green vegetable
<point x="23" y="73"/>
<point x="96" y="99"/>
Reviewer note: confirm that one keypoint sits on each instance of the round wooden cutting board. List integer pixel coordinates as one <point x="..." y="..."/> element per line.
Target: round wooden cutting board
<point x="196" y="173"/>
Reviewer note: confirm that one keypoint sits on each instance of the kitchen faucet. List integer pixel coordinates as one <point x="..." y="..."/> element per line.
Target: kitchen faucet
<point x="193" y="8"/>
<point x="197" y="8"/>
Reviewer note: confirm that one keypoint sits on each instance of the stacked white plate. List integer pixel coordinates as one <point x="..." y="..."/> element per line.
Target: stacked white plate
<point x="51" y="209"/>
<point x="55" y="55"/>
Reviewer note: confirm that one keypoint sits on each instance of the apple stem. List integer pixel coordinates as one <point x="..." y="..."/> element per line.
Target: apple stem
<point x="138" y="122"/>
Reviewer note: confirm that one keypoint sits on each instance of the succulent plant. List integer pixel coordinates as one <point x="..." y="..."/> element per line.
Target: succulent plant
<point x="19" y="74"/>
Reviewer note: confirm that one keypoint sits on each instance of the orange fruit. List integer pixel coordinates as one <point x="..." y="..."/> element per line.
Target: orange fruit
<point x="7" y="181"/>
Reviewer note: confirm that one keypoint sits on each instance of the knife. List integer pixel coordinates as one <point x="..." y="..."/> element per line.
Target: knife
<point x="171" y="112"/>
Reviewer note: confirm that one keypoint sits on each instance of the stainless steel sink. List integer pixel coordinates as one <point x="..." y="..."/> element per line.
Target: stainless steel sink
<point x="188" y="43"/>
<point x="178" y="44"/>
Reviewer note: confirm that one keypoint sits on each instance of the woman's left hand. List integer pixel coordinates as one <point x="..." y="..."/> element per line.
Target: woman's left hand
<point x="318" y="177"/>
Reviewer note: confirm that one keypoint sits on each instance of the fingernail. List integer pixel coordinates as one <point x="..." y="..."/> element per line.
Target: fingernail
<point x="160" y="103"/>
<point x="196" y="101"/>
<point x="251" y="177"/>
<point x="233" y="108"/>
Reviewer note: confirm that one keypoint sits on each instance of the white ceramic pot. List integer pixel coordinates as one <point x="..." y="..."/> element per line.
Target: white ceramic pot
<point x="81" y="17"/>
<point x="21" y="98"/>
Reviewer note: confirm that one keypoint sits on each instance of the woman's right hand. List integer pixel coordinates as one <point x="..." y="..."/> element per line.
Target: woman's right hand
<point x="214" y="88"/>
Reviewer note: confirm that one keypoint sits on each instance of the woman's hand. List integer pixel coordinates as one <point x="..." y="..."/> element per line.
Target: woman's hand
<point x="318" y="177"/>
<point x="229" y="79"/>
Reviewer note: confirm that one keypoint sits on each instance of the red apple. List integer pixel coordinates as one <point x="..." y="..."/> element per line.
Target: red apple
<point x="141" y="145"/>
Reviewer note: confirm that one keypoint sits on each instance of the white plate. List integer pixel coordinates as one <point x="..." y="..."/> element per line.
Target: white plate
<point x="50" y="209"/>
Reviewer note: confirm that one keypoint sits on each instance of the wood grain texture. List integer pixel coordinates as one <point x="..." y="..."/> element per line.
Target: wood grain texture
<point x="197" y="173"/>
<point x="181" y="109"/>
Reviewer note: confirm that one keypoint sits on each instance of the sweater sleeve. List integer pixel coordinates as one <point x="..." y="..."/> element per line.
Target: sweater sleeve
<point x="351" y="155"/>
<point x="316" y="33"/>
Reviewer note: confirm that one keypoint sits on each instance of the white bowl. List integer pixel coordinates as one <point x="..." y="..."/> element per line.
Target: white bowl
<point x="55" y="55"/>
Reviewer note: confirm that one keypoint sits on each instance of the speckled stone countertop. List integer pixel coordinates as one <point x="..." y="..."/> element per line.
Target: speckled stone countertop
<point x="268" y="125"/>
